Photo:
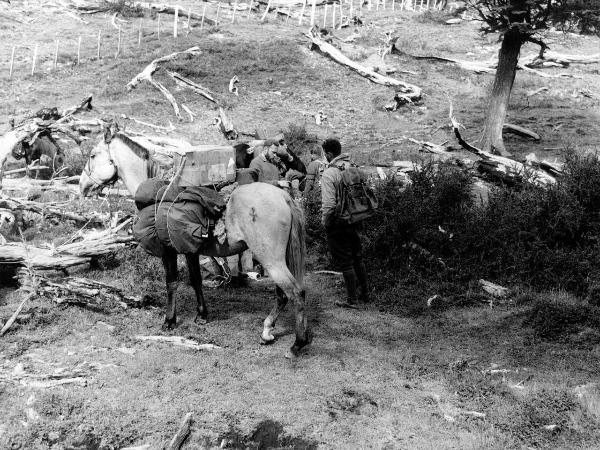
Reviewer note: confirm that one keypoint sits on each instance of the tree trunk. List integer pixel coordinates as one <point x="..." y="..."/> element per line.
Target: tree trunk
<point x="508" y="58"/>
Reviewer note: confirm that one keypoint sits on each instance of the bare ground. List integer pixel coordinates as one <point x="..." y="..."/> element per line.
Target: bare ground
<point x="370" y="379"/>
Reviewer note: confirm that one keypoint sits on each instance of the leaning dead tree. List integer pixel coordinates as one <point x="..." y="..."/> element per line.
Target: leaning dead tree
<point x="406" y="92"/>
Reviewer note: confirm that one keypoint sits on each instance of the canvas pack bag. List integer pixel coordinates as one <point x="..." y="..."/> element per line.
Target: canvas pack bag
<point x="356" y="200"/>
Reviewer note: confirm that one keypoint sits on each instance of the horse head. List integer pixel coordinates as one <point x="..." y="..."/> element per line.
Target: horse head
<point x="100" y="169"/>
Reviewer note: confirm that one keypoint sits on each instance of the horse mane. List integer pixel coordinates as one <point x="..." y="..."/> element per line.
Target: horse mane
<point x="136" y="148"/>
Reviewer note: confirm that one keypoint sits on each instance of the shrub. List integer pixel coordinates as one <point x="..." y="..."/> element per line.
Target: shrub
<point x="546" y="238"/>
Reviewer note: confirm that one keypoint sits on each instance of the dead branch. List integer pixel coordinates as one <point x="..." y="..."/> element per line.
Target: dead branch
<point x="477" y="67"/>
<point x="147" y="73"/>
<point x="408" y="92"/>
<point x="12" y="318"/>
<point x="198" y="89"/>
<point x="500" y="166"/>
<point x="520" y="131"/>
<point x="77" y="291"/>
<point x="179" y="341"/>
<point x="430" y="147"/>
<point x="182" y="433"/>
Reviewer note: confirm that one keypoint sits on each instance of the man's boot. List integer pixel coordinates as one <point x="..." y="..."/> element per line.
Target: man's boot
<point x="351" y="297"/>
<point x="363" y="283"/>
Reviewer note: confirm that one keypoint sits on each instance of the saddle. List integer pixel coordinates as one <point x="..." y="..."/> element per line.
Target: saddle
<point x="173" y="217"/>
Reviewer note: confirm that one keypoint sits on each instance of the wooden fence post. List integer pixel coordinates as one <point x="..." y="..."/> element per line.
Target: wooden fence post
<point x="333" y="16"/>
<point x="302" y="13"/>
<point x="99" y="36"/>
<point x="175" y="20"/>
<point x="312" y="13"/>
<point x="203" y="14"/>
<point x="264" y="16"/>
<point x="12" y="61"/>
<point x="79" y="50"/>
<point x="234" y="8"/>
<point x="35" y="52"/>
<point x="325" y="15"/>
<point x="55" y="55"/>
<point x="118" y="44"/>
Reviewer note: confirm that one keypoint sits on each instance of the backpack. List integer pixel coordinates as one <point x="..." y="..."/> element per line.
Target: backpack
<point x="356" y="200"/>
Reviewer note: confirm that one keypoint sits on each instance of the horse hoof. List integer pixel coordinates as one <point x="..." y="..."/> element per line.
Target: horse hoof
<point x="169" y="325"/>
<point x="199" y="320"/>
<point x="291" y="355"/>
<point x="268" y="341"/>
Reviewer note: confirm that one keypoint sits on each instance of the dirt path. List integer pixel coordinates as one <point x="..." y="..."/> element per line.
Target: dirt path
<point x="369" y="380"/>
<point x="349" y="391"/>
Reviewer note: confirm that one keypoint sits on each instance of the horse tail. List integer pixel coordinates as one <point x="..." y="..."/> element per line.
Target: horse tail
<point x="296" y="247"/>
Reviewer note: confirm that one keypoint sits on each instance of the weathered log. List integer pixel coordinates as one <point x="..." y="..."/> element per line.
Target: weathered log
<point x="520" y="131"/>
<point x="64" y="256"/>
<point x="77" y="291"/>
<point x="182" y="433"/>
<point x="45" y="210"/>
<point x="407" y="92"/>
<point x="29" y="184"/>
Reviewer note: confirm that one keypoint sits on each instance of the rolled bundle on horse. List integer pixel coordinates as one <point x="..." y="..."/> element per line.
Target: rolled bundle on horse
<point x="257" y="216"/>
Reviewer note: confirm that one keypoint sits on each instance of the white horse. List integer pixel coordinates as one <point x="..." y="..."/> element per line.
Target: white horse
<point x="258" y="216"/>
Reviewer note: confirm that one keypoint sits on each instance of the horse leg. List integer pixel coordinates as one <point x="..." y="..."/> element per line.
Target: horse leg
<point x="284" y="279"/>
<point x="269" y="324"/>
<point x="169" y="260"/>
<point x="196" y="281"/>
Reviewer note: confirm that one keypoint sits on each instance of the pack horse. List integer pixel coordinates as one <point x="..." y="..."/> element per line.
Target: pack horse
<point x="257" y="216"/>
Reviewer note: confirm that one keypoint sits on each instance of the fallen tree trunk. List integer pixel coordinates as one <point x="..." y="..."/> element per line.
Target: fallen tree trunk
<point x="408" y="93"/>
<point x="501" y="167"/>
<point x="527" y="64"/>
<point x="45" y="210"/>
<point x="77" y="291"/>
<point x="68" y="255"/>
<point x="29" y="184"/>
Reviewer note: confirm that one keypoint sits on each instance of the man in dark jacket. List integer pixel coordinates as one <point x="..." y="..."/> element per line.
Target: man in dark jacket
<point x="342" y="238"/>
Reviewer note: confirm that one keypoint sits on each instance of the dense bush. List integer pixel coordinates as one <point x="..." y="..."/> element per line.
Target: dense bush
<point x="432" y="231"/>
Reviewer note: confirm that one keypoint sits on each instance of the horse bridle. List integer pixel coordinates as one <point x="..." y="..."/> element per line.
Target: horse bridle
<point x="88" y="171"/>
